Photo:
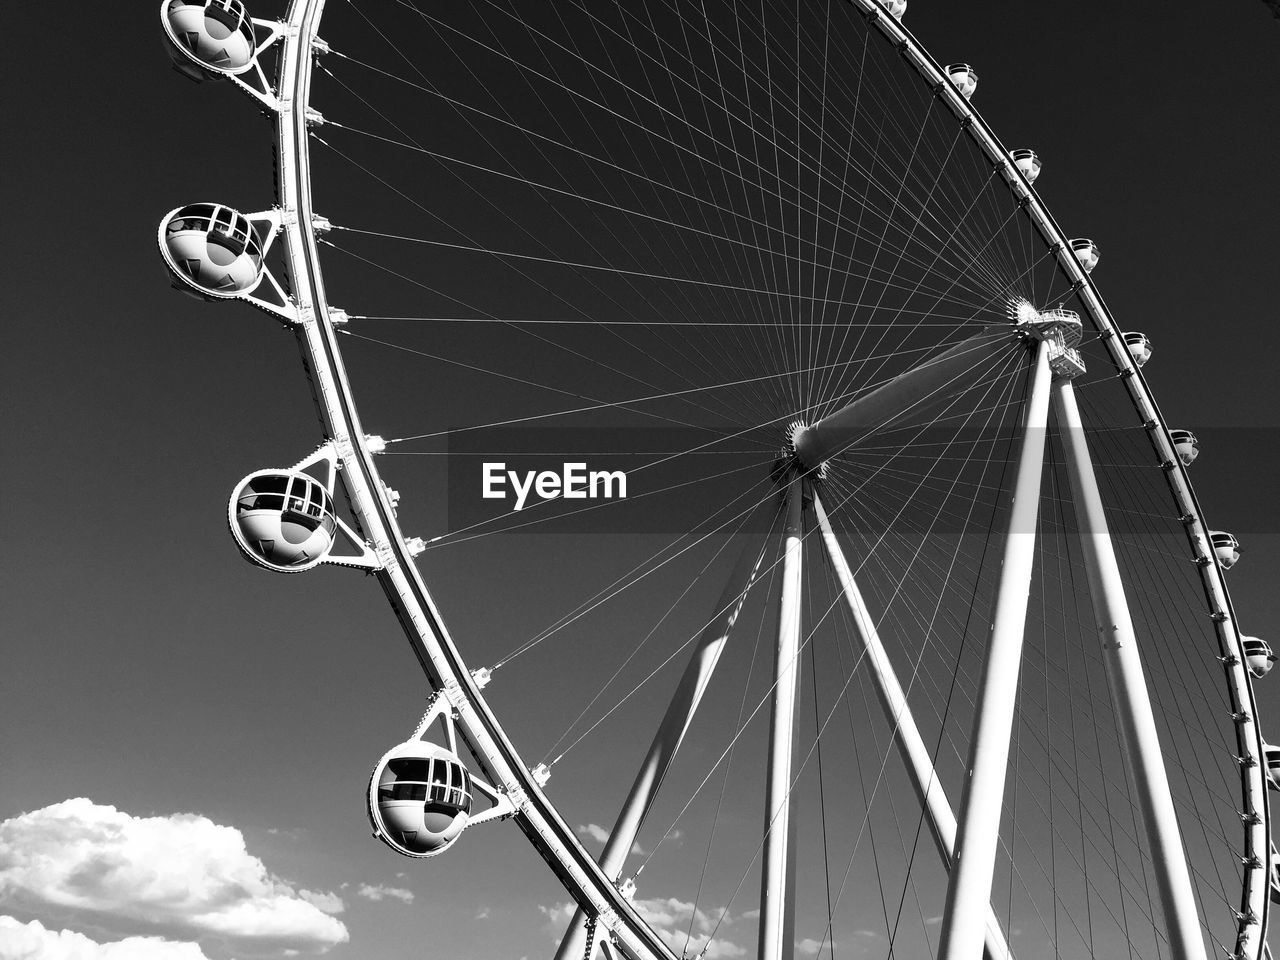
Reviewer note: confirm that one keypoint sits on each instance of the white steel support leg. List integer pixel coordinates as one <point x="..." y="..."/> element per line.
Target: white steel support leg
<point x="1128" y="687"/>
<point x="684" y="704"/>
<point x="906" y="735"/>
<point x="777" y="896"/>
<point x="969" y="885"/>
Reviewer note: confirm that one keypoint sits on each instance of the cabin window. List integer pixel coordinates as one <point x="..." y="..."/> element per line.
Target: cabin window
<point x="261" y="501"/>
<point x="410" y="768"/>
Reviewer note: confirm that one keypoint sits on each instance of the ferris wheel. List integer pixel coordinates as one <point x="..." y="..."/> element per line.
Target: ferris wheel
<point x="893" y="590"/>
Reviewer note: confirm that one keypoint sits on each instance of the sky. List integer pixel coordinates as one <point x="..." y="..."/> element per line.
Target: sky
<point x="161" y="695"/>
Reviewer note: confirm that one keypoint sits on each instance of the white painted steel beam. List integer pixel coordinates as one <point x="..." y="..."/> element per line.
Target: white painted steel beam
<point x="684" y="704"/>
<point x="906" y="735"/>
<point x="1119" y="647"/>
<point x="906" y="399"/>
<point x="777" y="892"/>
<point x="978" y="831"/>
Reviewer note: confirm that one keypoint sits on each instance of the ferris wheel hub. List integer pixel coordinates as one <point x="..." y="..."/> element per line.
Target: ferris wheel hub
<point x="1060" y="328"/>
<point x="792" y="460"/>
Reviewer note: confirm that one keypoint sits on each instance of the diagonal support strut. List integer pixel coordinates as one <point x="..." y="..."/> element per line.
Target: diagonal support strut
<point x="978" y="830"/>
<point x="906" y="735"/>
<point x="666" y="742"/>
<point x="1138" y="736"/>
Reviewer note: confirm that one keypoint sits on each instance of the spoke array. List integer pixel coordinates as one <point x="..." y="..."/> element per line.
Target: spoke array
<point x="659" y="235"/>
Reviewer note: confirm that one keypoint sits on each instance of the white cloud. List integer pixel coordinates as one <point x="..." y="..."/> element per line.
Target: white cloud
<point x="558" y="917"/>
<point x="593" y="831"/>
<point x="670" y="919"/>
<point x="378" y="892"/>
<point x="328" y="902"/>
<point x="33" y="941"/>
<point x="810" y="947"/>
<point x="179" y="872"/>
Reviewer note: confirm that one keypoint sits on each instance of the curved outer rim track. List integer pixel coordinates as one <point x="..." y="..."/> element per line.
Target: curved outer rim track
<point x="425" y="628"/>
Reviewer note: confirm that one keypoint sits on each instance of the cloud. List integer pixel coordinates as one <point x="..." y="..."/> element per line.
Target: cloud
<point x="377" y="892"/>
<point x="33" y="941"/>
<point x="593" y="831"/>
<point x="558" y="917"/>
<point x="811" y="948"/>
<point x="483" y="913"/>
<point x="181" y="872"/>
<point x="670" y="919"/>
<point x="328" y="902"/>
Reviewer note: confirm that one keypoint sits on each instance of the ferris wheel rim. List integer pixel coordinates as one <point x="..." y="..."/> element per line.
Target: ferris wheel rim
<point x="408" y="593"/>
<point x="428" y="634"/>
